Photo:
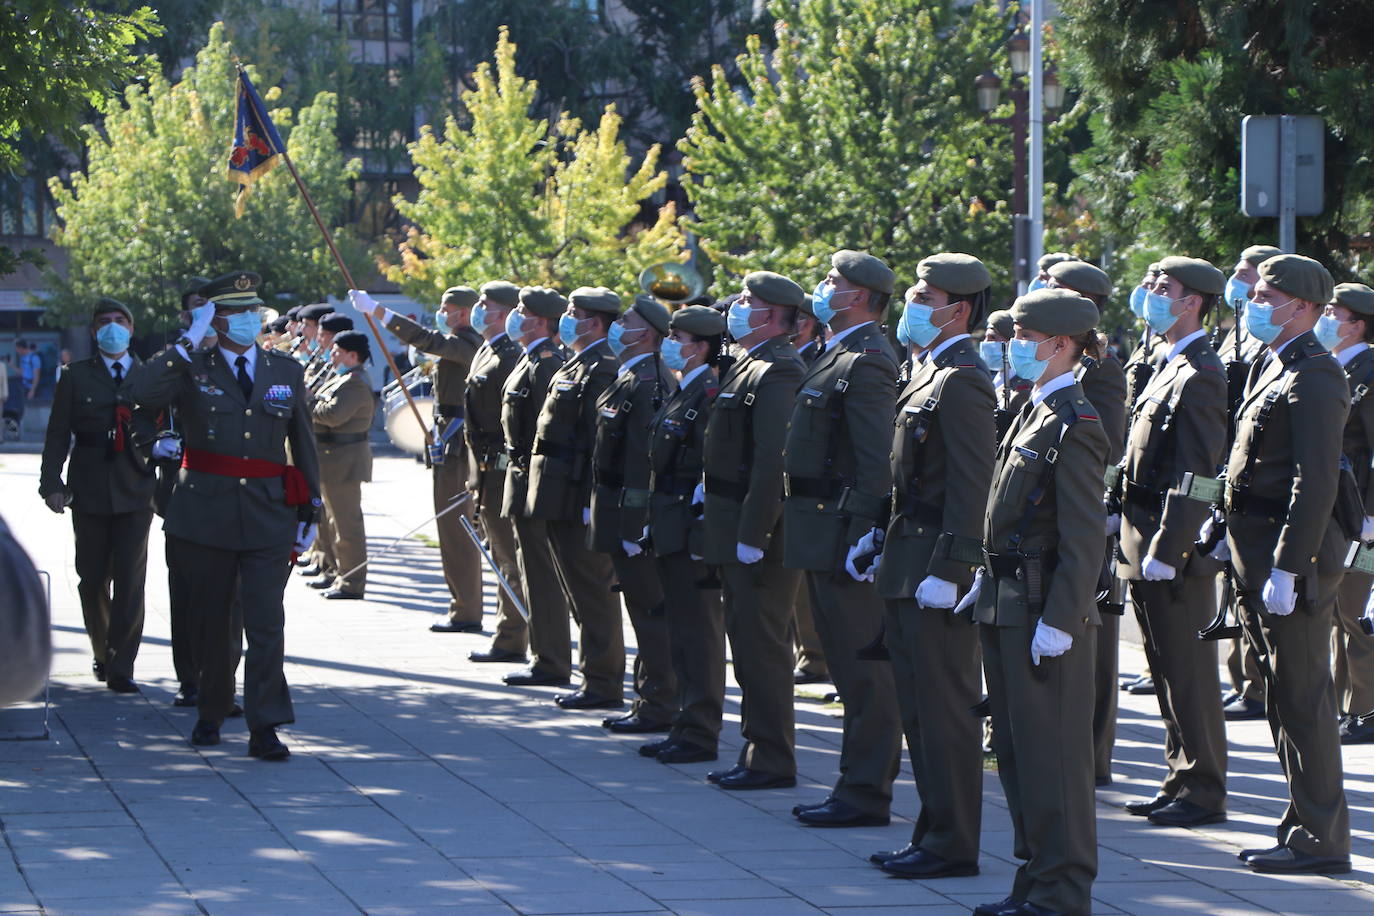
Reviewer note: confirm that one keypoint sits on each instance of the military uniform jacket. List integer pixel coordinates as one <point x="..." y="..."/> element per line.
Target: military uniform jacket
<point x="838" y="476"/>
<point x="942" y="453"/>
<point x="1104" y="385"/>
<point x="677" y="449"/>
<point x="482" y="417"/>
<point x="1178" y="425"/>
<point x="1140" y="367"/>
<point x="620" y="454"/>
<point x="743" y="449"/>
<point x="102" y="481"/>
<point x="1283" y="519"/>
<point x="226" y="512"/>
<point x="1067" y="527"/>
<point x="522" y="399"/>
<point x="561" y="464"/>
<point x="1358" y="441"/>
<point x="455" y="352"/>
<point x="1011" y="399"/>
<point x="341" y="415"/>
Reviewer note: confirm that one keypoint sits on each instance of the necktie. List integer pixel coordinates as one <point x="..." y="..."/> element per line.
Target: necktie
<point x="245" y="383"/>
<point x="118" y="370"/>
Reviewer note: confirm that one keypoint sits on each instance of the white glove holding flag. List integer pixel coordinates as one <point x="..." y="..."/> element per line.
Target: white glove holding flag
<point x="1048" y="642"/>
<point x="365" y="303"/>
<point x="1279" y="593"/>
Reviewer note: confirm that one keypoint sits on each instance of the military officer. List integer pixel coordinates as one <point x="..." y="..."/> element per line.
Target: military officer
<point x="329" y="326"/>
<point x="1346" y="330"/>
<point x="691" y="599"/>
<point x="526" y="388"/>
<point x="455" y="342"/>
<point x="1012" y="390"/>
<point x="1042" y="268"/>
<point x="1034" y="601"/>
<point x="742" y="492"/>
<point x="560" y="492"/>
<point x="341" y="414"/>
<point x="311" y="354"/>
<point x="239" y="510"/>
<point x="1287" y="551"/>
<point x="942" y="450"/>
<point x="97" y="434"/>
<point x="1178" y="427"/>
<point x="487" y="459"/>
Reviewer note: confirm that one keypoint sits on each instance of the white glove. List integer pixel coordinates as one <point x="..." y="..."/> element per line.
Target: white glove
<point x="1048" y="642"/>
<point x="1369" y="605"/>
<point x="56" y="501"/>
<point x="1278" y="593"/>
<point x="1367" y="529"/>
<point x="866" y="544"/>
<point x="1153" y="570"/>
<point x="699" y="494"/>
<point x="1221" y="552"/>
<point x="934" y="592"/>
<point x="631" y="548"/>
<point x="747" y="555"/>
<point x="201" y="316"/>
<point x="305" y="536"/>
<point x="1113" y="524"/>
<point x="972" y="594"/>
<point x="167" y="448"/>
<point x="365" y="303"/>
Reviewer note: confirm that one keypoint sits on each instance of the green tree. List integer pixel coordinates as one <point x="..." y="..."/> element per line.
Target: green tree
<point x="153" y="205"/>
<point x="505" y="195"/>
<point x="861" y="130"/>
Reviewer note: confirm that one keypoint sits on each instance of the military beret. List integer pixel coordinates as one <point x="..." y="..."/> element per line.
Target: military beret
<point x="1195" y="273"/>
<point x="1258" y="254"/>
<point x="864" y="270"/>
<point x="278" y="325"/>
<point x="808" y="305"/>
<point x="541" y="301"/>
<point x="232" y="290"/>
<point x="105" y="305"/>
<point x="1081" y="277"/>
<point x="294" y="312"/>
<point x="502" y="291"/>
<point x="698" y="320"/>
<point x="335" y="322"/>
<point x="354" y="341"/>
<point x="1055" y="312"/>
<point x="652" y="311"/>
<point x="775" y="289"/>
<point x="1153" y="268"/>
<point x="960" y="274"/>
<point x="1051" y="258"/>
<point x="314" y="312"/>
<point x="1298" y="276"/>
<point x="1355" y="296"/>
<point x="1002" y="323"/>
<point x="595" y="299"/>
<point x="723" y="305"/>
<point x="461" y="296"/>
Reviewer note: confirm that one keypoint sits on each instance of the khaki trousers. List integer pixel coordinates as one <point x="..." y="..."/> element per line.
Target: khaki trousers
<point x="1354" y="649"/>
<point x="343" y="503"/>
<point x="461" y="559"/>
<point x="696" y="637"/>
<point x="758" y="619"/>
<point x="655" y="683"/>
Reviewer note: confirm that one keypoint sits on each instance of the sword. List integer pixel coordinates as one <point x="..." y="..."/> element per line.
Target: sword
<point x="510" y="592"/>
<point x="455" y="503"/>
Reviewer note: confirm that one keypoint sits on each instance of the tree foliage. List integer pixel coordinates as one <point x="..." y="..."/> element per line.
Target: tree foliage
<point x="153" y="205"/>
<point x="506" y="195"/>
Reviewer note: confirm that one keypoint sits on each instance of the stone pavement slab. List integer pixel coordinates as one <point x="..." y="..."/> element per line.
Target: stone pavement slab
<point x="419" y="784"/>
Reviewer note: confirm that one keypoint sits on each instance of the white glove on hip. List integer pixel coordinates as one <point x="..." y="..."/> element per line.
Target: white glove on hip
<point x="631" y="548"/>
<point x="747" y="555"/>
<point x="167" y="448"/>
<point x="1113" y="524"/>
<point x="305" y="536"/>
<point x="972" y="595"/>
<point x="1153" y="570"/>
<point x="866" y="545"/>
<point x="362" y="301"/>
<point x="1367" y="529"/>
<point x="1279" y="593"/>
<point x="201" y="316"/>
<point x="1048" y="642"/>
<point x="934" y="592"/>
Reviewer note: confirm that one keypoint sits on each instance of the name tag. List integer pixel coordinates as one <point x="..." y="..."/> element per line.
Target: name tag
<point x="1028" y="453"/>
<point x="812" y="392"/>
<point x="566" y="385"/>
<point x="608" y="412"/>
<point x="726" y="395"/>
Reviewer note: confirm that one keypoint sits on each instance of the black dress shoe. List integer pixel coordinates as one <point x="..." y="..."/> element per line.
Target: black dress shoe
<point x="746" y="778"/>
<point x="205" y="733"/>
<point x="1229" y="697"/>
<point x="494" y="655"/>
<point x="717" y="775"/>
<point x="303" y="561"/>
<point x="1031" y="909"/>
<point x="634" y="724"/>
<point x="581" y="699"/>
<point x="98" y="669"/>
<point x="681" y="752"/>
<point x="836" y="813"/>
<point x="923" y="864"/>
<point x="121" y="684"/>
<point x="322" y="583"/>
<point x="1182" y="813"/>
<point x="1142" y="809"/>
<point x="264" y="744"/>
<point x="807" y="806"/>
<point x="448" y="626"/>
<point x="1289" y="861"/>
<point x="340" y="594"/>
<point x="1101" y="781"/>
<point x="533" y="677"/>
<point x="1357" y="730"/>
<point x="653" y="747"/>
<point x="878" y="858"/>
<point x="186" y="696"/>
<point x="1145" y="687"/>
<point x="1243" y="708"/>
<point x="802" y="676"/>
<point x="1007" y="906"/>
<point x="309" y="571"/>
<point x="1246" y="854"/>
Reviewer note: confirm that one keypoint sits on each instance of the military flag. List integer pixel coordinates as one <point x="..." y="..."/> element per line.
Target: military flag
<point x="257" y="146"/>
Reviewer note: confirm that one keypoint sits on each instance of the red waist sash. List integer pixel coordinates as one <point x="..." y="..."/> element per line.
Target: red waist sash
<point x="297" y="491"/>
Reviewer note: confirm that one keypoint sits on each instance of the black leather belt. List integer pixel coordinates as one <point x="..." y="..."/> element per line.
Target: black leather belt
<point x="449" y="410"/>
<point x="93" y="440"/>
<point x="812" y="487"/>
<point x="674" y="485"/>
<point x="1002" y="565"/>
<point x="555" y="450"/>
<point x="729" y="489"/>
<point x="1143" y="497"/>
<point x="1244" y="502"/>
<point x="923" y="512"/>
<point x="331" y="438"/>
<point x="606" y="477"/>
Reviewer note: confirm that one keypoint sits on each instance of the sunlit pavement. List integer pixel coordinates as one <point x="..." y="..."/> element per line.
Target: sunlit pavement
<point x="419" y="783"/>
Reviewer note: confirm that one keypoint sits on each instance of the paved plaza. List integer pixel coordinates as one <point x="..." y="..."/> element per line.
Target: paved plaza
<point x="420" y="784"/>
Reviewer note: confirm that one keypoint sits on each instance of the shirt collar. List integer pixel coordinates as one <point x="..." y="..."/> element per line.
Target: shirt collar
<point x="687" y="379"/>
<point x="1182" y="345"/>
<point x="1048" y="388"/>
<point x="232" y="357"/>
<point x="932" y="354"/>
<point x="125" y="363"/>
<point x="1350" y="352"/>
<point x="1277" y="351"/>
<point x="841" y="335"/>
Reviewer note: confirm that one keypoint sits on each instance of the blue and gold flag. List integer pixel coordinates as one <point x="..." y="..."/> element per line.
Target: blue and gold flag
<point x="257" y="145"/>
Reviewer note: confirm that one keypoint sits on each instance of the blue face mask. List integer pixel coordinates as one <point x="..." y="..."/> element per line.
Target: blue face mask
<point x="903" y="337"/>
<point x="1259" y="321"/>
<point x="1159" y="312"/>
<point x="822" y="302"/>
<point x="1024" y="361"/>
<point x="737" y="320"/>
<point x="919" y="324"/>
<point x="1236" y="292"/>
<point x="112" y="339"/>
<point x="993" y="353"/>
<point x="1035" y="284"/>
<point x="441" y="321"/>
<point x="479" y="318"/>
<point x="1328" y="331"/>
<point x="615" y="337"/>
<point x="567" y="329"/>
<point x="515" y="325"/>
<point x="244" y="327"/>
<point x="1138" y="302"/>
<point x="672" y="355"/>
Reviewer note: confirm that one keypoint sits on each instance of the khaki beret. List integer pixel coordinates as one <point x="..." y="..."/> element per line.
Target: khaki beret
<point x="864" y="269"/>
<point x="504" y="292"/>
<point x="1355" y="296"/>
<point x="1195" y="273"/>
<point x="652" y="311"/>
<point x="1298" y="276"/>
<point x="1081" y="277"/>
<point x="354" y="342"/>
<point x="595" y="299"/>
<point x="1049" y="259"/>
<point x="808" y="305"/>
<point x="960" y="274"/>
<point x="698" y="320"/>
<point x="775" y="289"/>
<point x="1002" y="323"/>
<point x="1055" y="312"/>
<point x="461" y="296"/>
<point x="314" y="312"/>
<point x="106" y="305"/>
<point x="1258" y="254"/>
<point x="1153" y="268"/>
<point x="335" y="323"/>
<point x="540" y="301"/>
